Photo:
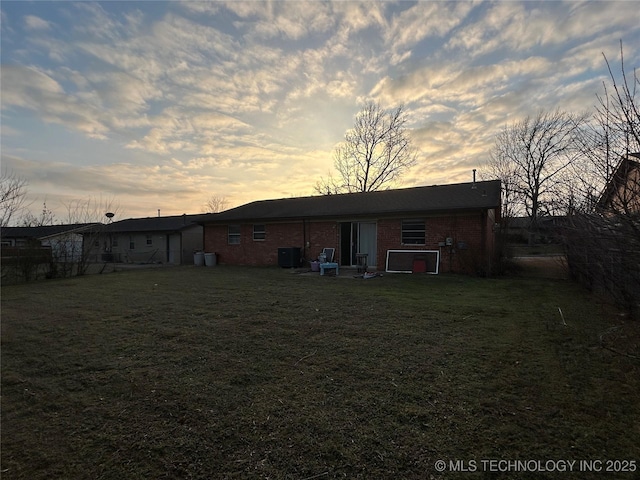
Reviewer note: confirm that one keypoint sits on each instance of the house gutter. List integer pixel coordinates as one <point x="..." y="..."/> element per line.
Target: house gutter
<point x="346" y="216"/>
<point x="304" y="238"/>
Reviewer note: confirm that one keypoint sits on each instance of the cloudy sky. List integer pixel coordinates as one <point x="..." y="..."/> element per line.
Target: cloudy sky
<point x="161" y="105"/>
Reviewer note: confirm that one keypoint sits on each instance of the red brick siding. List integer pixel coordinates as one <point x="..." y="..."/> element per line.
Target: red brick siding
<point x="323" y="235"/>
<point x="474" y="229"/>
<point x="311" y="237"/>
<point x="465" y="228"/>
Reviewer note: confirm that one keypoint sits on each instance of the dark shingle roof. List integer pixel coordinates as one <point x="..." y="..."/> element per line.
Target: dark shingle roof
<point x="432" y="199"/>
<point x="149" y="224"/>
<point x="154" y="224"/>
<point x="44" y="231"/>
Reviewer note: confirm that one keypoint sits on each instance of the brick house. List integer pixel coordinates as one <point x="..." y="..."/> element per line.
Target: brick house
<point x="456" y="221"/>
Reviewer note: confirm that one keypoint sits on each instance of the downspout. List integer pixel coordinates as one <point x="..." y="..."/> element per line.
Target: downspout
<point x="483" y="239"/>
<point x="304" y="239"/>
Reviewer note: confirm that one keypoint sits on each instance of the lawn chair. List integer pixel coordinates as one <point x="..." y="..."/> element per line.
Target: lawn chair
<point x="326" y="260"/>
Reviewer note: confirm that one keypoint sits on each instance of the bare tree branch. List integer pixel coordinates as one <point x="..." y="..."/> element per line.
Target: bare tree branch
<point x="375" y="153"/>
<point x="216" y="204"/>
<point x="531" y="156"/>
<point x="13" y="192"/>
<point x="602" y="240"/>
<point x="46" y="217"/>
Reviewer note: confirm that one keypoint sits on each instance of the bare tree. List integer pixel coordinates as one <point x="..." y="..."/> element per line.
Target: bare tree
<point x="500" y="167"/>
<point x="535" y="152"/>
<point x="602" y="241"/>
<point x="13" y="192"/>
<point x="82" y="246"/>
<point x="46" y="217"/>
<point x="216" y="204"/>
<point x="621" y="104"/>
<point x="613" y="133"/>
<point x="375" y="153"/>
<point x="619" y="115"/>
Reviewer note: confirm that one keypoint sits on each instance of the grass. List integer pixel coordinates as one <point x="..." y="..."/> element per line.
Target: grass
<point x="231" y="372"/>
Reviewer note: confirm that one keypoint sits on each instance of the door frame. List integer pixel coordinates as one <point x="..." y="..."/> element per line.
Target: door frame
<point x="350" y="245"/>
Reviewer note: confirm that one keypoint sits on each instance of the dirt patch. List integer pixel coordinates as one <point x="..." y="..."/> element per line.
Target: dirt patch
<point x="543" y="266"/>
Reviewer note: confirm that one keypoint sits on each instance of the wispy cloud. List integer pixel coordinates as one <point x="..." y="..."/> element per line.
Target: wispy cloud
<point x="164" y="104"/>
<point x="33" y="22"/>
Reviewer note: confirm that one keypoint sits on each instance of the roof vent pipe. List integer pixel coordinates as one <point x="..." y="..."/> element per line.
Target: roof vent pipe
<point x="473" y="185"/>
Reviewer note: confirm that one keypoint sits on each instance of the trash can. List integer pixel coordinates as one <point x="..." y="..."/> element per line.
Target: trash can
<point x="210" y="259"/>
<point x="315" y="266"/>
<point x="198" y="259"/>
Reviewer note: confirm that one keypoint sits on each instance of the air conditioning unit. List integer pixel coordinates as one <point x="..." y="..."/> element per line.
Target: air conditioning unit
<point x="289" y="257"/>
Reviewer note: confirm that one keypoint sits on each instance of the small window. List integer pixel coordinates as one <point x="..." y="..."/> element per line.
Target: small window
<point x="114" y="242"/>
<point x="149" y="240"/>
<point x="259" y="232"/>
<point x="132" y="244"/>
<point x="234" y="234"/>
<point x="413" y="232"/>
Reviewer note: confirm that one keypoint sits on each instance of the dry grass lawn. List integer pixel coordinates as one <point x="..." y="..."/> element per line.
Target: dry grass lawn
<point x="228" y="372"/>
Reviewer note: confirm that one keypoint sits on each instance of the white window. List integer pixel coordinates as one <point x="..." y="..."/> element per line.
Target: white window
<point x="259" y="232"/>
<point x="234" y="234"/>
<point x="413" y="232"/>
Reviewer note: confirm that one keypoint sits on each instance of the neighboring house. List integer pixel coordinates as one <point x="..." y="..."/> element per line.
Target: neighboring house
<point x="153" y="240"/>
<point x="65" y="241"/>
<point x="621" y="195"/>
<point x="457" y="221"/>
<point x="32" y="252"/>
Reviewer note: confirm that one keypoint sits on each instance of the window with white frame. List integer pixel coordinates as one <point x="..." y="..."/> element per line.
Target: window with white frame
<point x="413" y="232"/>
<point x="149" y="239"/>
<point x="234" y="234"/>
<point x="259" y="232"/>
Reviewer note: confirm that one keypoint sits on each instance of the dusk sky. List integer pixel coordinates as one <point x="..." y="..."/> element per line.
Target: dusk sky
<point x="160" y="105"/>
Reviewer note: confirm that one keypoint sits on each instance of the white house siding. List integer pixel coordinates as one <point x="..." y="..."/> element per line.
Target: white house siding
<point x="66" y="247"/>
<point x="174" y="248"/>
<point x="142" y="252"/>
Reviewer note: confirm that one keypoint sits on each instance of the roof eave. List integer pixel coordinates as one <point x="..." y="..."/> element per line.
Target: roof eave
<point x="344" y="216"/>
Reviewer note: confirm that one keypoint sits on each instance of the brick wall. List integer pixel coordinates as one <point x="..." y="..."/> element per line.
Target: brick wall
<point x="470" y="229"/>
<point x="311" y="237"/>
<point x="472" y="235"/>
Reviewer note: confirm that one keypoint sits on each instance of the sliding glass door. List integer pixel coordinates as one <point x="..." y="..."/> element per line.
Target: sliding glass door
<point x="358" y="237"/>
